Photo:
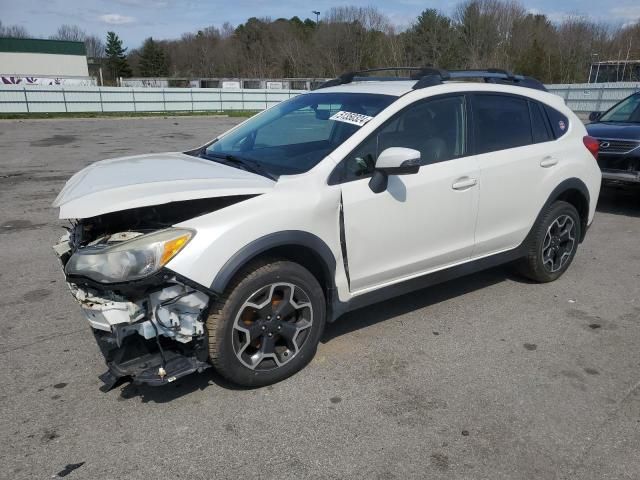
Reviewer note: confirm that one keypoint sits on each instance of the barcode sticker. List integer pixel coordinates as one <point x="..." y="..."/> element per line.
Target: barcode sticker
<point x="350" y="117"/>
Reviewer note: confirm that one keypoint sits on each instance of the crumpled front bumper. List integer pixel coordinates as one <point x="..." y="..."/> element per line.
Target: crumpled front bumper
<point x="143" y="362"/>
<point x="150" y="330"/>
<point x="154" y="337"/>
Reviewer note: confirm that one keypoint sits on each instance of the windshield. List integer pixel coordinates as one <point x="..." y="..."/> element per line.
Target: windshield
<point x="295" y="135"/>
<point x="627" y="110"/>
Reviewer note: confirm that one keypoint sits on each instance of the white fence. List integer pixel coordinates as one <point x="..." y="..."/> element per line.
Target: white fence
<point x="581" y="98"/>
<point x="593" y="97"/>
<point x="50" y="99"/>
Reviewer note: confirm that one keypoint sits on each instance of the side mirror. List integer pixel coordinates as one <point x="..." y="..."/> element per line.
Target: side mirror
<point x="593" y="116"/>
<point x="393" y="161"/>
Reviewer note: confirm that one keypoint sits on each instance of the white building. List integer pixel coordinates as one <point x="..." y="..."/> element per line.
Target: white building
<point x="36" y="61"/>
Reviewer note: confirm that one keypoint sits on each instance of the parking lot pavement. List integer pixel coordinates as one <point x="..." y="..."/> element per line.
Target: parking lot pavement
<point x="485" y="377"/>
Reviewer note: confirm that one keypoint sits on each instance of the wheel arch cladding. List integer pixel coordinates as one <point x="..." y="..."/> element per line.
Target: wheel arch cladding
<point x="575" y="192"/>
<point x="298" y="246"/>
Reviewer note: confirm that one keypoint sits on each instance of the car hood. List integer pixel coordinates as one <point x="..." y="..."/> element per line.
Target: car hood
<point x="623" y="131"/>
<point x="153" y="179"/>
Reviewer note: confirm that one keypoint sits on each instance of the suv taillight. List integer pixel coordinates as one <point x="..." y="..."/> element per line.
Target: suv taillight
<point x="592" y="145"/>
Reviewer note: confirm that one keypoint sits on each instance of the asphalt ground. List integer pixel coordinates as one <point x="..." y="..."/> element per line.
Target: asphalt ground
<point x="484" y="377"/>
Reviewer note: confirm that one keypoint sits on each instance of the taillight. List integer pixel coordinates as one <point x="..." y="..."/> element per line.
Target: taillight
<point x="592" y="145"/>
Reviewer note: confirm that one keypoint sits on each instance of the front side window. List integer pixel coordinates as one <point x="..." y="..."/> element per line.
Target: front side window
<point x="500" y="122"/>
<point x="297" y="134"/>
<point x="628" y="110"/>
<point x="434" y="127"/>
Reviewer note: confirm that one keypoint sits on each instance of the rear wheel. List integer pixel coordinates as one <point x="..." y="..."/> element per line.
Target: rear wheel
<point x="268" y="323"/>
<point x="553" y="244"/>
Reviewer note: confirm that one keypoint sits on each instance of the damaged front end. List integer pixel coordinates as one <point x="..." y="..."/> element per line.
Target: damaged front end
<point x="148" y="321"/>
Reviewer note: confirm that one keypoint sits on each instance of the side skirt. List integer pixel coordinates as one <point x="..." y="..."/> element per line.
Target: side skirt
<point x="424" y="281"/>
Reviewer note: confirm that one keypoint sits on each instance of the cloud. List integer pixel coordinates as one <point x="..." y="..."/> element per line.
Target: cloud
<point x="116" y="19"/>
<point x="629" y="13"/>
<point x="144" y="3"/>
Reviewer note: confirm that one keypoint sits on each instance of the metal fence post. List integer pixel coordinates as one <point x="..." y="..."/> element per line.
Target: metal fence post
<point x="133" y="95"/>
<point x="600" y="94"/>
<point x="26" y="100"/>
<point x="164" y="101"/>
<point x="191" y="94"/>
<point x="220" y="97"/>
<point x="101" y="105"/>
<point x="64" y="99"/>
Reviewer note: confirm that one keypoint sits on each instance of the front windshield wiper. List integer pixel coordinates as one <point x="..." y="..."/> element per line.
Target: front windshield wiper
<point x="245" y="163"/>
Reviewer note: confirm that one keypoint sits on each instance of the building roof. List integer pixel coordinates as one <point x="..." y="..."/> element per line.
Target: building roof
<point x="37" y="45"/>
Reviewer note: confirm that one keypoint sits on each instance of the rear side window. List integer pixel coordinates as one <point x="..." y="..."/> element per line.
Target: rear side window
<point x="559" y="123"/>
<point x="539" y="125"/>
<point x="500" y="122"/>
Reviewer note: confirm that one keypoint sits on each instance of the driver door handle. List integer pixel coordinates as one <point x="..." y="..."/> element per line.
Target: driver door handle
<point x="548" y="161"/>
<point x="464" y="183"/>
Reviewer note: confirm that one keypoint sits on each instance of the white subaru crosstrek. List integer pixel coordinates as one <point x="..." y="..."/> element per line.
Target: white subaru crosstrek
<point x="237" y="253"/>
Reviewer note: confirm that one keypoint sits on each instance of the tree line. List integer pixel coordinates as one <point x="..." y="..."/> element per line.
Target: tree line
<point x="477" y="34"/>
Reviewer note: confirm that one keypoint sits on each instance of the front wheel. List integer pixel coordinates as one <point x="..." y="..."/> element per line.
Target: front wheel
<point x="553" y="244"/>
<point x="267" y="324"/>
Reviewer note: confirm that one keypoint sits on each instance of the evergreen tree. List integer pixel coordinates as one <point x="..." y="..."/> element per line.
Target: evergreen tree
<point x="116" y="58"/>
<point x="153" y="61"/>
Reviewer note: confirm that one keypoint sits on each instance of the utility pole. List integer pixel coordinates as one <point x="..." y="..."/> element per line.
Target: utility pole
<point x="317" y="14"/>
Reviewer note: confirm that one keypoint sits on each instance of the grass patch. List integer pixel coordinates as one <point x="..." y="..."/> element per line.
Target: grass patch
<point x="38" y="115"/>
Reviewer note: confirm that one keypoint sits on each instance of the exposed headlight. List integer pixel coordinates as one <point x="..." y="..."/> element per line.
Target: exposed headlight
<point x="130" y="260"/>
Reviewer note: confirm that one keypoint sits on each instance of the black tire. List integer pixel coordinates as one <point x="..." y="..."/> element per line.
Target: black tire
<point x="533" y="265"/>
<point x="226" y="339"/>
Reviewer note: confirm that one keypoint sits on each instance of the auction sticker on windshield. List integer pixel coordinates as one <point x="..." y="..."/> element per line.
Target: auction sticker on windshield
<point x="350" y="117"/>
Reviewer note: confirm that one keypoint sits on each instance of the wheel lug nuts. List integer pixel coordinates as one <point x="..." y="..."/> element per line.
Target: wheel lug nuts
<point x="270" y="334"/>
<point x="278" y="317"/>
<point x="279" y="327"/>
<point x="263" y="327"/>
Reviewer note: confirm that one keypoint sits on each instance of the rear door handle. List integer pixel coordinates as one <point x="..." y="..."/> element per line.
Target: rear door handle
<point x="547" y="162"/>
<point x="464" y="183"/>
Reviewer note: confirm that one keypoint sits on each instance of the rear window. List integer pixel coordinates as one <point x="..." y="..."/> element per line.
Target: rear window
<point x="539" y="124"/>
<point x="559" y="123"/>
<point x="500" y="122"/>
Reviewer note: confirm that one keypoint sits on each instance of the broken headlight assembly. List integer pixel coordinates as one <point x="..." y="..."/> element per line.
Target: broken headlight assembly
<point x="130" y="260"/>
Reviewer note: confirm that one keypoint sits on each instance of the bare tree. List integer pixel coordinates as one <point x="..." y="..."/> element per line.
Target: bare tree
<point x="94" y="46"/>
<point x="479" y="34"/>
<point x="13" y="31"/>
<point x="71" y="33"/>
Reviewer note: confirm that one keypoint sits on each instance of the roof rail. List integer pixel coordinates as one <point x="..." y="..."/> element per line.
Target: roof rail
<point x="430" y="76"/>
<point x="496" y="75"/>
<point x="354" y="76"/>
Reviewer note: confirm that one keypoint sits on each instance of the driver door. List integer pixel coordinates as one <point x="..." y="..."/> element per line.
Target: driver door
<point x="423" y="221"/>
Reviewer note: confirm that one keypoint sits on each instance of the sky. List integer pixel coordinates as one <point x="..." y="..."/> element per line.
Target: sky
<point x="135" y="20"/>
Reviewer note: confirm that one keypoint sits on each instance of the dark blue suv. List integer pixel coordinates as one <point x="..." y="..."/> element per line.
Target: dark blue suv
<point x="618" y="131"/>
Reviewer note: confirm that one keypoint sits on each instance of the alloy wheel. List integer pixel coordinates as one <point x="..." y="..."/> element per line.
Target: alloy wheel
<point x="271" y="326"/>
<point x="559" y="243"/>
